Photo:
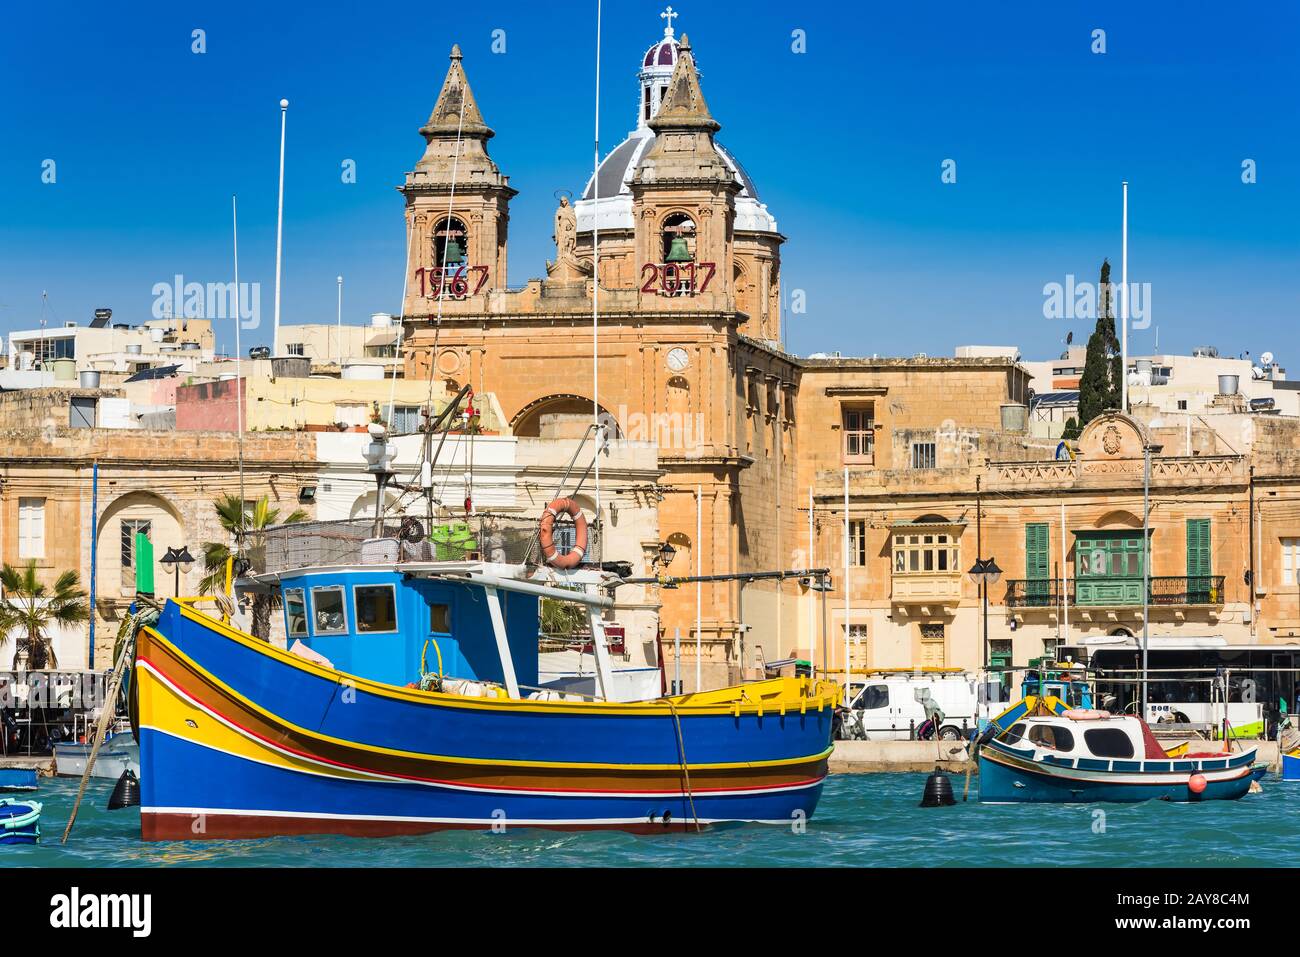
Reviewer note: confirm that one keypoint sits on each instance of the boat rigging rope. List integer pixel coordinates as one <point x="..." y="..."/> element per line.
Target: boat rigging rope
<point x="681" y="754"/>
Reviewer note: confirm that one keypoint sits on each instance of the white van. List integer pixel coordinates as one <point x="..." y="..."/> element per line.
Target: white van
<point x="891" y="705"/>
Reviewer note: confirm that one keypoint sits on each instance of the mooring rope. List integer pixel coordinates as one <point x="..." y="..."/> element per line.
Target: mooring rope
<point x="681" y="753"/>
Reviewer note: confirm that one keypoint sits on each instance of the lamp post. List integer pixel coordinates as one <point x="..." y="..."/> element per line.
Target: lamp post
<point x="985" y="572"/>
<point x="178" y="560"/>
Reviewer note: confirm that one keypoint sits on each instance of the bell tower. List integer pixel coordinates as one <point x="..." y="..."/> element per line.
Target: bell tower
<point x="684" y="195"/>
<point x="457" y="204"/>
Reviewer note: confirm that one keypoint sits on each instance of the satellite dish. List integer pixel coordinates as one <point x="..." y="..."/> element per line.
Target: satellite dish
<point x="1266" y="358"/>
<point x="1069" y="337"/>
<point x="1256" y="372"/>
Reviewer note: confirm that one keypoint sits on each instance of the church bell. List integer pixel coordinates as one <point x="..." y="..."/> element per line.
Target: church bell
<point x="455" y="255"/>
<point x="677" y="252"/>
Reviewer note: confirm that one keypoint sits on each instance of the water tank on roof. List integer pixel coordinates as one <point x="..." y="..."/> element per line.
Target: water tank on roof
<point x="381" y="320"/>
<point x="1015" y="417"/>
<point x="290" y="367"/>
<point x="1205" y="352"/>
<point x="1228" y="384"/>
<point x="363" y="370"/>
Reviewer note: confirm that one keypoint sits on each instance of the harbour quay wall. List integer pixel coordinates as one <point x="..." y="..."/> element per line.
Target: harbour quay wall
<point x="865" y="757"/>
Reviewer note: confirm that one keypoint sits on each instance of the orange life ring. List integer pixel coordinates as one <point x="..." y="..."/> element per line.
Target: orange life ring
<point x="546" y="533"/>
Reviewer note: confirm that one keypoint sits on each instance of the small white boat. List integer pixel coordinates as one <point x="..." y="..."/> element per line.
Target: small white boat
<point x="118" y="754"/>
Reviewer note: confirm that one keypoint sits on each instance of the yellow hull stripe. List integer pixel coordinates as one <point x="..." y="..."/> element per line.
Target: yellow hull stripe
<point x="424" y="699"/>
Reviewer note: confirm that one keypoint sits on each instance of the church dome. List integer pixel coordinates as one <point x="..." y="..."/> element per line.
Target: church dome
<point x="662" y="54"/>
<point x="615" y="172"/>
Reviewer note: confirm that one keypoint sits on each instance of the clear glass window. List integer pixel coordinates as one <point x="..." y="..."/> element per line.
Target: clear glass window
<point x="874" y="697"/>
<point x="376" y="608"/>
<point x="295" y="612"/>
<point x="329" y="615"/>
<point x="1051" y="736"/>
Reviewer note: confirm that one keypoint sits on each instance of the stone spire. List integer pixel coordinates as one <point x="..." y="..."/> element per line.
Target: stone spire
<point x="683" y="106"/>
<point x="446" y="118"/>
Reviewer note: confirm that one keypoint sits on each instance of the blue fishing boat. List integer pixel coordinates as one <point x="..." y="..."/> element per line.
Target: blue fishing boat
<point x="18" y="779"/>
<point x="1050" y="753"/>
<point x="1291" y="766"/>
<point x="408" y="701"/>
<point x="20" y="821"/>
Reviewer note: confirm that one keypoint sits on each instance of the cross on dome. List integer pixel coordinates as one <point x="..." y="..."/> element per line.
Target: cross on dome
<point x="669" y="15"/>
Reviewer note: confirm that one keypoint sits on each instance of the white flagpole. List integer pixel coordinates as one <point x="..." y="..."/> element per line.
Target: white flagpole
<point x="279" y="233"/>
<point x="340" y="342"/>
<point x="846" y="584"/>
<point x="699" y="593"/>
<point x="812" y="600"/>
<point x="239" y="377"/>
<point x="1123" y="308"/>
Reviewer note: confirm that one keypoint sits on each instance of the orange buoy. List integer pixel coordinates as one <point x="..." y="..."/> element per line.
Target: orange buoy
<point x="1196" y="783"/>
<point x="546" y="533"/>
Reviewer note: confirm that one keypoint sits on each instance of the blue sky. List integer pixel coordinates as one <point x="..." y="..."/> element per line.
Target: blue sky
<point x="845" y="143"/>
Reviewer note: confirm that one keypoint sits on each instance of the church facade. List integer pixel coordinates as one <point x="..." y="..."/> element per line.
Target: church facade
<point x="663" y="311"/>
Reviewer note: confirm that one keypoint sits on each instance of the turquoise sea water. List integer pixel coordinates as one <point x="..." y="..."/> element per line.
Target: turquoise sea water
<point x="862" y="820"/>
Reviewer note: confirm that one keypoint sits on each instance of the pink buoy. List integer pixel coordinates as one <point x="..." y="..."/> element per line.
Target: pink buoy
<point x="1196" y="783"/>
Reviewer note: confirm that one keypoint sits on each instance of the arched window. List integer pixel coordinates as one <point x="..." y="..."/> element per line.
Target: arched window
<point x="678" y="238"/>
<point x="450" y="243"/>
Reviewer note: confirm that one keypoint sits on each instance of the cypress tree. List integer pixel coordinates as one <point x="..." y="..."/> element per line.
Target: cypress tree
<point x="1099" y="386"/>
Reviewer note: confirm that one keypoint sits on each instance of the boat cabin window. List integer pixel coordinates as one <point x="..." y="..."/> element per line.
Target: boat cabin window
<point x="440" y="618"/>
<point x="1108" y="742"/>
<point x="1052" y="736"/>
<point x="376" y="608"/>
<point x="329" y="617"/>
<point x="295" y="610"/>
<point x="873" y="697"/>
<point x="1014" y="733"/>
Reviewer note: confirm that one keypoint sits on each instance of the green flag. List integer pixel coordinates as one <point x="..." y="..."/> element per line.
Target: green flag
<point x="143" y="564"/>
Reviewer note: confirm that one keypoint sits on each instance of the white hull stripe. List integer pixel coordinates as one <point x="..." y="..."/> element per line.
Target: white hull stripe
<point x="402" y="819"/>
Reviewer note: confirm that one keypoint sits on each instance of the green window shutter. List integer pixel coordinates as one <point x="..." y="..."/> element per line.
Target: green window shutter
<point x="1036" y="551"/>
<point x="1198" y="547"/>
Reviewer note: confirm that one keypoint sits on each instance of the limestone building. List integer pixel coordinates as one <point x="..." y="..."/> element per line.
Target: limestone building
<point x="674" y="255"/>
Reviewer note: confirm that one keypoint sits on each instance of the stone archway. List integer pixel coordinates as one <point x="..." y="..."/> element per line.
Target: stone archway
<point x="160" y="520"/>
<point x="563" y="415"/>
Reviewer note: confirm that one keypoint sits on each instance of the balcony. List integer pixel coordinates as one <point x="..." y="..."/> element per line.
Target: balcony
<point x="930" y="591"/>
<point x="1105" y="592"/>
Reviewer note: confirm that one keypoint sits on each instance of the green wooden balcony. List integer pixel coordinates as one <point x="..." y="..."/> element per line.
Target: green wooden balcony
<point x="1106" y="591"/>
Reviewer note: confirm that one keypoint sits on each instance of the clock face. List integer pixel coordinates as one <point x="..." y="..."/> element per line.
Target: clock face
<point x="678" y="359"/>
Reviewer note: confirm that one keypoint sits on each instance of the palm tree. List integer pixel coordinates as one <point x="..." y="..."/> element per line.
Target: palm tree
<point x="250" y="525"/>
<point x="29" y="609"/>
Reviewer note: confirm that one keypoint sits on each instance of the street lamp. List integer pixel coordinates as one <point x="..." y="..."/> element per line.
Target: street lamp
<point x="985" y="572"/>
<point x="178" y="560"/>
<point x="666" y="555"/>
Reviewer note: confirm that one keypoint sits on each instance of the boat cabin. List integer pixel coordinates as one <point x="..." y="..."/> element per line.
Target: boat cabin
<point x="389" y="626"/>
<point x="1085" y="735"/>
